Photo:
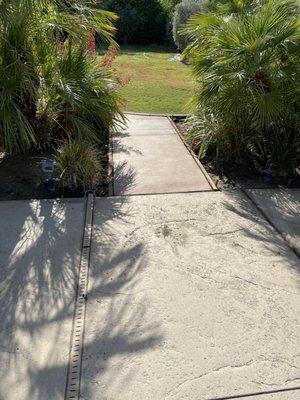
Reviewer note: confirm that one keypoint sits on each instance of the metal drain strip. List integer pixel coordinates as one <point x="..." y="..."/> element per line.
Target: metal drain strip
<point x="76" y="348"/>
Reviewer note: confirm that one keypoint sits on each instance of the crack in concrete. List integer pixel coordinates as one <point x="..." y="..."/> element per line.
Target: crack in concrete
<point x="262" y="286"/>
<point x="179" y="386"/>
<point x="292" y="380"/>
<point x="264" y="383"/>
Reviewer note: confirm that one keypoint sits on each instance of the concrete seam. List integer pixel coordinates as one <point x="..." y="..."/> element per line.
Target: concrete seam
<point x="164" y="193"/>
<point x="242" y="396"/>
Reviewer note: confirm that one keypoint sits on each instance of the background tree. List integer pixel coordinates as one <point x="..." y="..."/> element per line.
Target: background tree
<point x="182" y="13"/>
<point x="169" y="5"/>
<point x="140" y="22"/>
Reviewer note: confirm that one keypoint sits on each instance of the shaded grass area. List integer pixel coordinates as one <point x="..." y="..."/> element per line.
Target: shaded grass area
<point x="154" y="84"/>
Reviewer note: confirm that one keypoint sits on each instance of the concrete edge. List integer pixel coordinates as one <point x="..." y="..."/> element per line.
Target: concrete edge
<point x="159" y="193"/>
<point x="110" y="174"/>
<point x="65" y="199"/>
<point x="129" y="196"/>
<point x="286" y="238"/>
<point x="199" y="164"/>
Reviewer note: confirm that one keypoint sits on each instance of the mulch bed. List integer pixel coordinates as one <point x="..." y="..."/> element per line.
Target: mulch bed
<point x="22" y="178"/>
<point x="237" y="175"/>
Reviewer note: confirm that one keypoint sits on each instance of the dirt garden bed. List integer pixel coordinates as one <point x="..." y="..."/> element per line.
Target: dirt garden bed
<point x="235" y="175"/>
<point x="22" y="177"/>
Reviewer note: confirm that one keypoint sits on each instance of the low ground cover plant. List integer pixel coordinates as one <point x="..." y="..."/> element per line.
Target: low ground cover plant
<point x="77" y="164"/>
<point x="245" y="57"/>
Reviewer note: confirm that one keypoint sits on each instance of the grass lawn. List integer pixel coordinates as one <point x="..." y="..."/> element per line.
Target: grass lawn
<point x="156" y="85"/>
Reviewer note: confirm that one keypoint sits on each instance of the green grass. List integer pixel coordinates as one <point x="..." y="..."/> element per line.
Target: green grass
<point x="155" y="84"/>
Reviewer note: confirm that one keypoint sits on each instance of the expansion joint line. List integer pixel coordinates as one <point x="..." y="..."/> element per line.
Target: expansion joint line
<point x="77" y="339"/>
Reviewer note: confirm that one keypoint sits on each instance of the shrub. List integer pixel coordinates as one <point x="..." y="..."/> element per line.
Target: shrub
<point x="76" y="94"/>
<point x="169" y="5"/>
<point x="245" y="59"/>
<point x="183" y="11"/>
<point x="77" y="165"/>
<point x="49" y="84"/>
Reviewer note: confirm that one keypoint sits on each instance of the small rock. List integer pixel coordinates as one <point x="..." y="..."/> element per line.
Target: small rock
<point x="176" y="58"/>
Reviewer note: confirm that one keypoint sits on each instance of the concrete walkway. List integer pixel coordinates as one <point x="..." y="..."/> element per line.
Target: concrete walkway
<point x="149" y="157"/>
<point x="40" y="244"/>
<point x="192" y="296"/>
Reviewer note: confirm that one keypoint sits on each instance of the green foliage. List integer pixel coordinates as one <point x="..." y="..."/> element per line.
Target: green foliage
<point x="49" y="83"/>
<point x="140" y="22"/>
<point x="78" y="95"/>
<point x="169" y="5"/>
<point x="77" y="164"/>
<point x="183" y="11"/>
<point x="246" y="60"/>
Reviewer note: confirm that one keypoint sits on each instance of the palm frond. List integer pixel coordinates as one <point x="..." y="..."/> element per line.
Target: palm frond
<point x="245" y="56"/>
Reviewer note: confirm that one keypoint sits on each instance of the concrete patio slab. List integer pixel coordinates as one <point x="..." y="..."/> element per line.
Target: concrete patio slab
<point x="149" y="157"/>
<point x="282" y="208"/>
<point x="191" y="296"/>
<point x="40" y="243"/>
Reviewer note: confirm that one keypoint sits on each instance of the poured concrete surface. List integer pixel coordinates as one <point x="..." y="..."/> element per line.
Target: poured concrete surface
<point x="282" y="208"/>
<point x="191" y="296"/>
<point x="39" y="255"/>
<point x="149" y="157"/>
<point x="288" y="395"/>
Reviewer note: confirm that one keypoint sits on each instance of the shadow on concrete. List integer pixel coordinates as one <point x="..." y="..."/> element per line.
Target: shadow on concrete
<point x="124" y="177"/>
<point x="272" y="240"/>
<point x="115" y="324"/>
<point x="118" y="146"/>
<point x="40" y="247"/>
<point x="281" y="207"/>
<point x="39" y="258"/>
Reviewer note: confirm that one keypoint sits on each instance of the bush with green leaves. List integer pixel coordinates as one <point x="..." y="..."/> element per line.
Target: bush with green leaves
<point x="50" y="84"/>
<point x="183" y="11"/>
<point x="169" y="5"/>
<point x="77" y="165"/>
<point x="245" y="58"/>
<point x="76" y="93"/>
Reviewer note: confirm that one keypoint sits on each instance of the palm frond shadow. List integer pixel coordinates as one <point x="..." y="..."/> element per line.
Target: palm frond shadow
<point x="124" y="177"/>
<point x="38" y="280"/>
<point x="265" y="233"/>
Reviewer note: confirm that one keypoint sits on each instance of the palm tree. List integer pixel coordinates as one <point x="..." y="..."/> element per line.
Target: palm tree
<point x="49" y="82"/>
<point x="245" y="57"/>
